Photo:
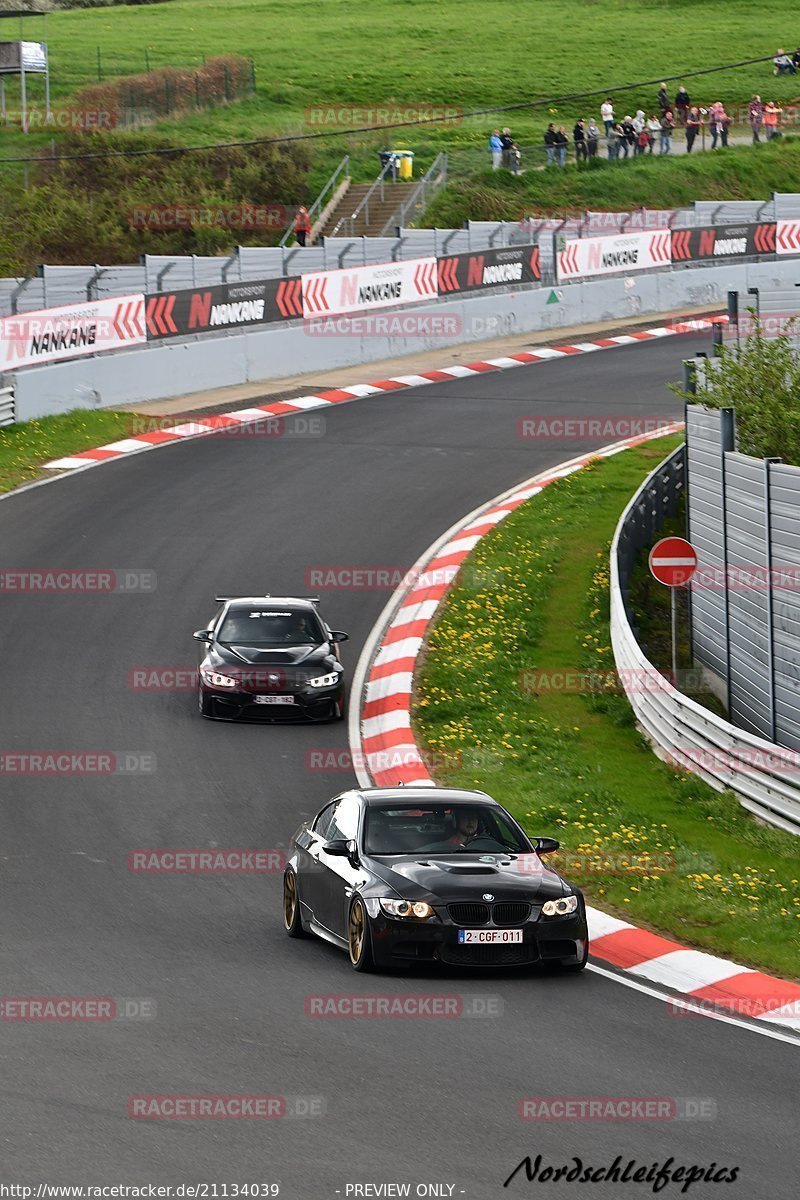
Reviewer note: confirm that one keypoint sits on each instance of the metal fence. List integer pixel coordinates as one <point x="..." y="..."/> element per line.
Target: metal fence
<point x="743" y="517"/>
<point x="59" y="285"/>
<point x="765" y="778"/>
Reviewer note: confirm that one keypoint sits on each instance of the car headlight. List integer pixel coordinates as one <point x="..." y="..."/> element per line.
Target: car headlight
<point x="214" y="679"/>
<point x="419" y="911"/>
<point x="325" y="680"/>
<point x="560" y="908"/>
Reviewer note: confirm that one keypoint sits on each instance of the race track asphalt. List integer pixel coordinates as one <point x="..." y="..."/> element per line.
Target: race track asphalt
<point x="423" y="1101"/>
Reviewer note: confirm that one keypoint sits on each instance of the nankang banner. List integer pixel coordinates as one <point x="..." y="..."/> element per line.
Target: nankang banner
<point x="489" y="269"/>
<point x="56" y="333"/>
<point x="619" y="254"/>
<point x="362" y="289"/>
<point x="722" y="241"/>
<point x="222" y="306"/>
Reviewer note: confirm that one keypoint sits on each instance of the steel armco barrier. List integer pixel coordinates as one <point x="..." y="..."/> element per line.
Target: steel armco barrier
<point x="764" y="777"/>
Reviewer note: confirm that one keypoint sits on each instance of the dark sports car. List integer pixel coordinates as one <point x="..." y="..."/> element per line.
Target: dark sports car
<point x="270" y="658"/>
<point x="420" y="875"/>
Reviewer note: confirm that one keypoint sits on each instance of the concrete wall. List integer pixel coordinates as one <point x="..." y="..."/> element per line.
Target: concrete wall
<point x="160" y="371"/>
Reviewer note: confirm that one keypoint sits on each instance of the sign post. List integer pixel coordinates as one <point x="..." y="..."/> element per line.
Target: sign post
<point x="673" y="562"/>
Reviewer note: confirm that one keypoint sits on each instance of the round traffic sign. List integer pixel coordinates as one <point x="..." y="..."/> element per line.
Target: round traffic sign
<point x="673" y="561"/>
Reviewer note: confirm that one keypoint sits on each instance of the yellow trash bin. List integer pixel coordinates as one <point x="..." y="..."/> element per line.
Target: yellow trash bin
<point x="406" y="164"/>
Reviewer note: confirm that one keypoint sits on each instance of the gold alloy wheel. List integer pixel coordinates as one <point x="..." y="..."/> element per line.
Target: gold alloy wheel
<point x="289" y="899"/>
<point x="356" y="932"/>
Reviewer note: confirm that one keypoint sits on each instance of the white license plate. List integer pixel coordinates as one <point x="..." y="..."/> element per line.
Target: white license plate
<point x="273" y="699"/>
<point x="489" y="935"/>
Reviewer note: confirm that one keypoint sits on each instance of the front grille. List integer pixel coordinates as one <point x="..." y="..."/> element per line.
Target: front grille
<point x="469" y="914"/>
<point x="489" y="956"/>
<point x="511" y="912"/>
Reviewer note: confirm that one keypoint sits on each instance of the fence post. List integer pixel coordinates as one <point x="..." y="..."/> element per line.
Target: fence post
<point x="773" y="724"/>
<point x="252" y="77"/>
<point x="227" y="84"/>
<point x="146" y="60"/>
<point x="99" y="66"/>
<point x="727" y="429"/>
<point x="166" y="96"/>
<point x="198" y="105"/>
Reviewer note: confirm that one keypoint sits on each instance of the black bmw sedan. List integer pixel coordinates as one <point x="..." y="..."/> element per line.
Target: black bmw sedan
<point x="270" y="658"/>
<point x="420" y="875"/>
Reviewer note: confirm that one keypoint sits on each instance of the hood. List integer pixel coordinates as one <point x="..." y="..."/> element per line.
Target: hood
<point x="467" y="876"/>
<point x="290" y="656"/>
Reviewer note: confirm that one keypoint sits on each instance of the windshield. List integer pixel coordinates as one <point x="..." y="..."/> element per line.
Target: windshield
<point x="440" y="829"/>
<point x="265" y="627"/>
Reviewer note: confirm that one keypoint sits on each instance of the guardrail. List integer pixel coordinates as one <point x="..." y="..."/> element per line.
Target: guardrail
<point x="764" y="777"/>
<point x="431" y="182"/>
<point x="339" y="175"/>
<point x="7" y="406"/>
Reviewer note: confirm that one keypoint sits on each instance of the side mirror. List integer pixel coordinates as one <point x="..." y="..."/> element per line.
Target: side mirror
<point x="202" y="635"/>
<point x="338" y="636"/>
<point x="546" y="845"/>
<point x="338" y="848"/>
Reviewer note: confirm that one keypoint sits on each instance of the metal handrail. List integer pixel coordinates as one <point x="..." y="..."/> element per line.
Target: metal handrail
<point x="350" y="222"/>
<point x="342" y="170"/>
<point x="434" y="178"/>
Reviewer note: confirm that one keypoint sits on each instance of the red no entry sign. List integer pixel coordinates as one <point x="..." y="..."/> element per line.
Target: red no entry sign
<point x="673" y="561"/>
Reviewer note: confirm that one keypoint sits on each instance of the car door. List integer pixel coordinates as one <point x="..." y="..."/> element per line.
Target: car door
<point x="339" y="875"/>
<point x="311" y="867"/>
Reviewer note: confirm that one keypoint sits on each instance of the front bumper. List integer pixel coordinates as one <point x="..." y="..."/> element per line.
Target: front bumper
<point x="544" y="939"/>
<point x="308" y="704"/>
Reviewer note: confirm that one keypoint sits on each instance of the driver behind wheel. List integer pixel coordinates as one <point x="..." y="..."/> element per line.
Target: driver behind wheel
<point x="466" y="827"/>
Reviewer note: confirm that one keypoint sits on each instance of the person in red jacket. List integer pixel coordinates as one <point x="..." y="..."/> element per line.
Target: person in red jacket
<point x="302" y="226"/>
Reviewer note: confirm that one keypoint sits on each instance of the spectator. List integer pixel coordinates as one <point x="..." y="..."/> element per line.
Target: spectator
<point x="302" y="225"/>
<point x="796" y="58"/>
<point x="516" y="158"/>
<point x="592" y="137"/>
<point x="667" y="125"/>
<point x="638" y="123"/>
<point x="783" y="64"/>
<point x="496" y="147"/>
<point x="664" y="103"/>
<point x="644" y="141"/>
<point x="653" y="128"/>
<point x="629" y="139"/>
<point x="693" y="124"/>
<point x="718" y="121"/>
<point x="771" y="117"/>
<point x="682" y="104"/>
<point x="561" y="145"/>
<point x="613" y="138"/>
<point x="607" y="114"/>
<point x="756" y="117"/>
<point x="550" y="143"/>
<point x="506" y="141"/>
<point x="579" y="138"/>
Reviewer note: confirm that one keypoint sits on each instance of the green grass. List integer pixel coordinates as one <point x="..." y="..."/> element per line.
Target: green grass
<point x="574" y="765"/>
<point x="24" y="447"/>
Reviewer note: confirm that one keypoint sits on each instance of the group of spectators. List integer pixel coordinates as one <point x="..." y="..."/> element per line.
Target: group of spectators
<point x="505" y="151"/>
<point x="786" y="64"/>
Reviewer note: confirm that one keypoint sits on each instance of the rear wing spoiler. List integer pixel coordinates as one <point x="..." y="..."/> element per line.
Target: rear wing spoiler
<point x="265" y="596"/>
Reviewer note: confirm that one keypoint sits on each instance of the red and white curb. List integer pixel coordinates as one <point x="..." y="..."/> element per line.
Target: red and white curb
<point x="383" y="745"/>
<point x="207" y="426"/>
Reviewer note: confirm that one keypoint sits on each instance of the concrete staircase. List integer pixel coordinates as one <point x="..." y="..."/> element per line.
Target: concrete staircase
<point x="366" y="224"/>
